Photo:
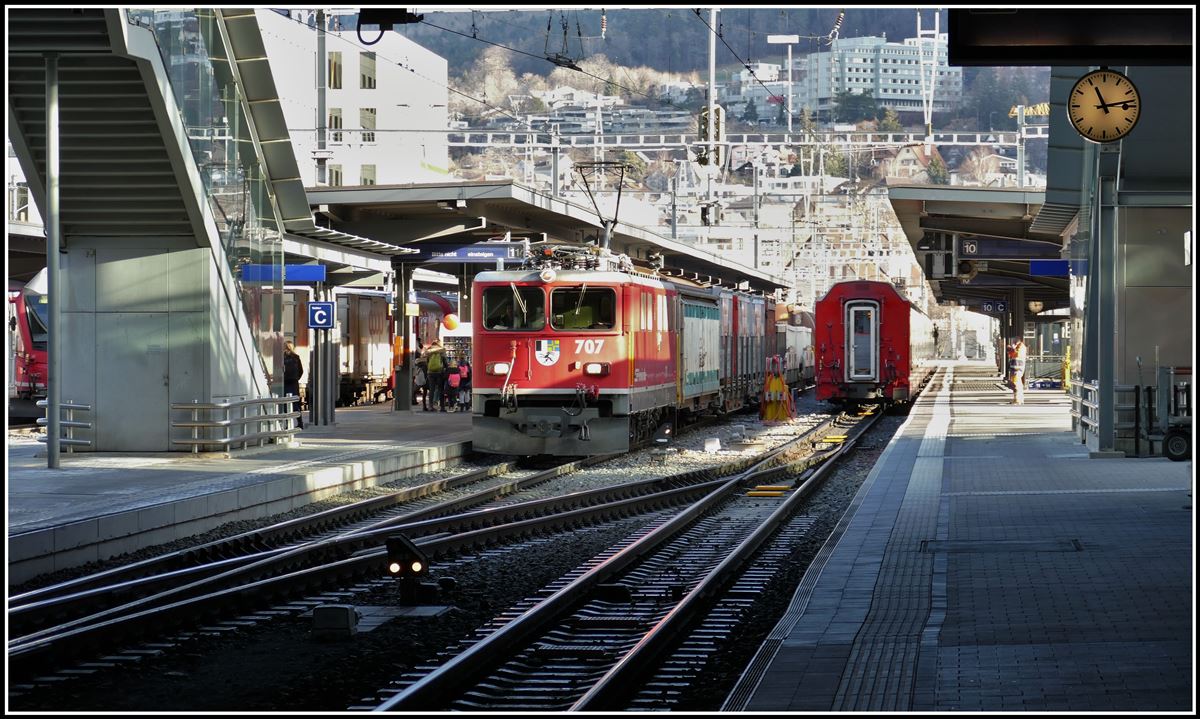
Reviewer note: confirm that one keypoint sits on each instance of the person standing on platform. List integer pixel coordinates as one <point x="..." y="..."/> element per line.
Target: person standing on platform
<point x="464" y="385"/>
<point x="421" y="380"/>
<point x="1016" y="363"/>
<point x="435" y="373"/>
<point x="293" y="370"/>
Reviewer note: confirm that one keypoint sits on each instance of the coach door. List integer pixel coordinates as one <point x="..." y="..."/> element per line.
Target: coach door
<point x="862" y="333"/>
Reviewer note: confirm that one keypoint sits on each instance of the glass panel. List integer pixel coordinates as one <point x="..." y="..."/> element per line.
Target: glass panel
<point x="366" y="70"/>
<point x="861" y="359"/>
<point x="211" y="105"/>
<point x="514" y="308"/>
<point x="576" y="308"/>
<point x="335" y="123"/>
<point x="335" y="175"/>
<point x="367" y="175"/>
<point x="335" y="71"/>
<point x="37" y="309"/>
<point x="366" y="118"/>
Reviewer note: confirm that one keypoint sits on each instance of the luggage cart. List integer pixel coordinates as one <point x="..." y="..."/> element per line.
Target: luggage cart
<point x="1169" y="410"/>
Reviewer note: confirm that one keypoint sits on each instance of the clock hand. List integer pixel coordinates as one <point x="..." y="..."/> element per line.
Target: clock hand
<point x="1103" y="105"/>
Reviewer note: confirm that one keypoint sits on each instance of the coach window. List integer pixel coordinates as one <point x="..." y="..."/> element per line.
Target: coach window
<point x="861" y="339"/>
<point x="583" y="308"/>
<point x="514" y="308"/>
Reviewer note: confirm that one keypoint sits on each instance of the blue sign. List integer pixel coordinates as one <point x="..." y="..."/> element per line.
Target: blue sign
<point x="1049" y="268"/>
<point x="1002" y="307"/>
<point x="283" y="273"/>
<point x="321" y="315"/>
<point x="482" y="252"/>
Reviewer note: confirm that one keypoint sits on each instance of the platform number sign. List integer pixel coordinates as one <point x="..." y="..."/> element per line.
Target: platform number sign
<point x="1002" y="307"/>
<point x="987" y="306"/>
<point x="970" y="248"/>
<point x="321" y="315"/>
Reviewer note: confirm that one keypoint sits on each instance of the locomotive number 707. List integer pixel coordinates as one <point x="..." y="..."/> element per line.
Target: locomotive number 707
<point x="589" y="347"/>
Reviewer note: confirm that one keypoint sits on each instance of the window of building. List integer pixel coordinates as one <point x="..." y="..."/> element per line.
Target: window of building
<point x="335" y="71"/>
<point x="18" y="204"/>
<point x="335" y="175"/>
<point x="367" y="175"/>
<point x="335" y="124"/>
<point x="366" y="71"/>
<point x="366" y="118"/>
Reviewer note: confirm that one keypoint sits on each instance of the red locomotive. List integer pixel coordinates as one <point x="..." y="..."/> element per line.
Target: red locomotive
<point x="872" y="344"/>
<point x="578" y="353"/>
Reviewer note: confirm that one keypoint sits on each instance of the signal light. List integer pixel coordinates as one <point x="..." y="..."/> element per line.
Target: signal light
<point x="405" y="560"/>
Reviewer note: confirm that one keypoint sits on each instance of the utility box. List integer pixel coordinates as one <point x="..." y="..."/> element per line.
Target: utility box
<point x="334" y="622"/>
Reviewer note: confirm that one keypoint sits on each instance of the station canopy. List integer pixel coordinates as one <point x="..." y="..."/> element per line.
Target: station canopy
<point x="464" y="213"/>
<point x="978" y="244"/>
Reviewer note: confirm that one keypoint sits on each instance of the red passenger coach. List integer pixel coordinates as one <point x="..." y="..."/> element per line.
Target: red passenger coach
<point x="872" y="344"/>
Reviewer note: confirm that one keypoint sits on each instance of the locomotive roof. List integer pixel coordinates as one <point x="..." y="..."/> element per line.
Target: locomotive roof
<point x="571" y="276"/>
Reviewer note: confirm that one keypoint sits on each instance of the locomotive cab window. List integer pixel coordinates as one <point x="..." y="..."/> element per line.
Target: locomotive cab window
<point x="514" y="308"/>
<point x="861" y="354"/>
<point x="583" y="308"/>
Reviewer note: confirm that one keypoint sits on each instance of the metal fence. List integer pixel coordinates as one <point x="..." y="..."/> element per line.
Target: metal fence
<point x="245" y="422"/>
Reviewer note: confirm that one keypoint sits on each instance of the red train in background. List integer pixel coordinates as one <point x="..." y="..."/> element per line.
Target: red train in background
<point x="872" y="345"/>
<point x="578" y="353"/>
<point x="28" y="317"/>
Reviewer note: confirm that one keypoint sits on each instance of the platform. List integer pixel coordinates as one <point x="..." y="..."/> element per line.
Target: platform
<point x="99" y="505"/>
<point x="987" y="564"/>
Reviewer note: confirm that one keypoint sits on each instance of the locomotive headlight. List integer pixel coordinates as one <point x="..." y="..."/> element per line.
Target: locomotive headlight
<point x="498" y="368"/>
<point x="394" y="568"/>
<point x="596" y="368"/>
<point x="547" y="274"/>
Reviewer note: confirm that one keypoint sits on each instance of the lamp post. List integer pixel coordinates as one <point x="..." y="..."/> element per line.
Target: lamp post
<point x="788" y="40"/>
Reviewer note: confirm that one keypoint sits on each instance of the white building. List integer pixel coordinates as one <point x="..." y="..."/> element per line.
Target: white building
<point x="385" y="104"/>
<point x="890" y="71"/>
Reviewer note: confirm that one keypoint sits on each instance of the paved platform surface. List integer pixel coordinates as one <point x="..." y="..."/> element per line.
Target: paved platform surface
<point x="102" y="504"/>
<point x="987" y="564"/>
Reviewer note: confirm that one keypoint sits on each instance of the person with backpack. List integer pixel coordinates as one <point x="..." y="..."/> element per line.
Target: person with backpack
<point x="435" y="374"/>
<point x="453" y="382"/>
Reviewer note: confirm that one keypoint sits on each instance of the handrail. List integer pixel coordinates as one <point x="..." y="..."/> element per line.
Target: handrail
<point x="272" y="412"/>
<point x="69" y="423"/>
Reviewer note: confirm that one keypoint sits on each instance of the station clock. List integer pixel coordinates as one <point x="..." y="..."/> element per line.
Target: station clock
<point x="1104" y="105"/>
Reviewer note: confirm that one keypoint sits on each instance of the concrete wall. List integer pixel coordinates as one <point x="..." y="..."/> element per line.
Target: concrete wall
<point x="1156" y="303"/>
<point x="145" y="324"/>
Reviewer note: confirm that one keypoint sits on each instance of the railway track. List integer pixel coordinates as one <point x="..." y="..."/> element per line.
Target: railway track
<point x="178" y="595"/>
<point x="605" y="627"/>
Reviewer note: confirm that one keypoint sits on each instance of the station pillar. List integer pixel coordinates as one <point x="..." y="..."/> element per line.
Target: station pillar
<point x="405" y="335"/>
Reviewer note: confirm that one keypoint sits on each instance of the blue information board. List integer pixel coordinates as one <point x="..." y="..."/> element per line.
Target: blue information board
<point x="479" y="252"/>
<point x="321" y="315"/>
<point x="284" y="273"/>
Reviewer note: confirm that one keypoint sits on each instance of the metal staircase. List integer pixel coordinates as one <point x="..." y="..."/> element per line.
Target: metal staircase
<point x="116" y="175"/>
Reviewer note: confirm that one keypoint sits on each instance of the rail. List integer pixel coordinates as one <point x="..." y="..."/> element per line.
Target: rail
<point x="271" y="420"/>
<point x="70" y="424"/>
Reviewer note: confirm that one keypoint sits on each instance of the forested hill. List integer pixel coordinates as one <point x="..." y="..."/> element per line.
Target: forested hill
<point x="671" y="40"/>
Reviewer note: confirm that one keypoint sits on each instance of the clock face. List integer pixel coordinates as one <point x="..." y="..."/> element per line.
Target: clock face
<point x="1104" y="106"/>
